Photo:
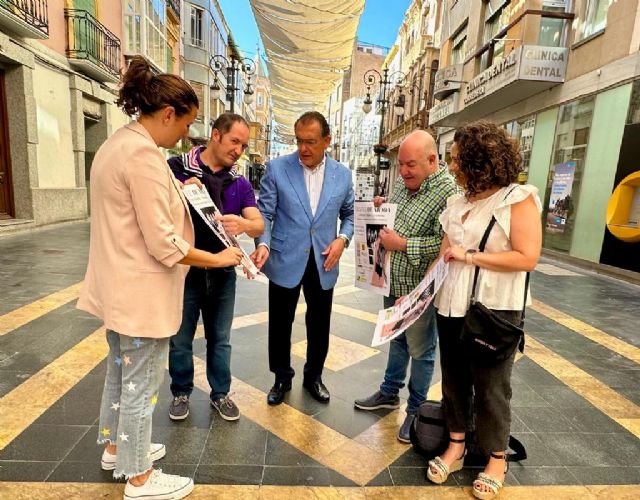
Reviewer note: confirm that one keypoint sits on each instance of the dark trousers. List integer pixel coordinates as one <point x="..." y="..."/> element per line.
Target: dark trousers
<point x="473" y="389"/>
<point x="282" y="310"/>
<point x="213" y="292"/>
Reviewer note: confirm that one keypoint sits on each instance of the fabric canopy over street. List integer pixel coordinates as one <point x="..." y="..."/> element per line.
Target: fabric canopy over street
<point x="308" y="43"/>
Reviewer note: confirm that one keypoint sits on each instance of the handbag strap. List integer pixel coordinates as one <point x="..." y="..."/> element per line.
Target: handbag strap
<point x="483" y="243"/>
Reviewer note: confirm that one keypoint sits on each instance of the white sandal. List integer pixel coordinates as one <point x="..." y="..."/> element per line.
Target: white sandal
<point x="442" y="469"/>
<point x="487" y="481"/>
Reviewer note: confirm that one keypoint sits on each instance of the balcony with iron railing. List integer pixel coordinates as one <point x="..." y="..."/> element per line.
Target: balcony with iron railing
<point x="91" y="47"/>
<point x="25" y="18"/>
<point x="395" y="136"/>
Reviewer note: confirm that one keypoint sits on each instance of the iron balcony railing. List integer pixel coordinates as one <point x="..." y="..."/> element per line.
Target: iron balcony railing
<point x="174" y="5"/>
<point x="88" y="39"/>
<point x="32" y="12"/>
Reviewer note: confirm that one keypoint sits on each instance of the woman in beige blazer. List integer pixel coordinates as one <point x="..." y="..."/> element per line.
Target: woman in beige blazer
<point x="140" y="250"/>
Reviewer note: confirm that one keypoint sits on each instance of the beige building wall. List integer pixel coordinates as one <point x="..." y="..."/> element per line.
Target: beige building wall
<point x="55" y="148"/>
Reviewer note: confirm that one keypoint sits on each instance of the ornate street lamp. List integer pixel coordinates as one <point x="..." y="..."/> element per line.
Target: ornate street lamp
<point x="219" y="64"/>
<point x="384" y="80"/>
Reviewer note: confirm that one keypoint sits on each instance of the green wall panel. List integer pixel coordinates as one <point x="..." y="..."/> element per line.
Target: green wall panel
<point x="88" y="5"/>
<point x="605" y="137"/>
<point x="541" y="151"/>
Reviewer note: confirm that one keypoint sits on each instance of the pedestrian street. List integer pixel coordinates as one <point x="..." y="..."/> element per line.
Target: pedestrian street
<point x="576" y="394"/>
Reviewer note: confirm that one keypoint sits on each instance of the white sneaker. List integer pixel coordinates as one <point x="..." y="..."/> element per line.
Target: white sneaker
<point x="156" y="450"/>
<point x="160" y="486"/>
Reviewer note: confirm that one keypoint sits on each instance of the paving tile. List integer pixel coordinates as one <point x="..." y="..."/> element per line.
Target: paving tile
<point x="281" y="453"/>
<point x="80" y="472"/>
<point x="229" y="474"/>
<point x="296" y="476"/>
<point x="60" y="439"/>
<point x="591" y="420"/>
<point x="415" y="476"/>
<point x="338" y="480"/>
<point x="538" y="453"/>
<point x="341" y="416"/>
<point x="606" y="475"/>
<point x="590" y="449"/>
<point x="184" y="446"/>
<point x="25" y="471"/>
<point x="542" y="475"/>
<point x="561" y="397"/>
<point x="242" y="444"/>
<point x="545" y="419"/>
<point x="382" y="479"/>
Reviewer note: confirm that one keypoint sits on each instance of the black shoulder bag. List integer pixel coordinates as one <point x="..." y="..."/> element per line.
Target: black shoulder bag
<point x="491" y="338"/>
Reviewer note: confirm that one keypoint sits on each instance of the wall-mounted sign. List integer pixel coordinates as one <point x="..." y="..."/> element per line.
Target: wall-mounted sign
<point x="543" y="63"/>
<point x="527" y="62"/>
<point x="444" y="108"/>
<point x="443" y="86"/>
<point x="493" y="78"/>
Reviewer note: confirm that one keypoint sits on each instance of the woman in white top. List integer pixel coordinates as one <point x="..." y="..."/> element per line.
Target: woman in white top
<point x="486" y="163"/>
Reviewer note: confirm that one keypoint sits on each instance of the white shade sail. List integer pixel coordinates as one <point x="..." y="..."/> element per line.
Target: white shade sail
<point x="307" y="43"/>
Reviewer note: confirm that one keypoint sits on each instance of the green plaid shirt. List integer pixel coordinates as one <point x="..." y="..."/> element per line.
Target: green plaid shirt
<point x="417" y="220"/>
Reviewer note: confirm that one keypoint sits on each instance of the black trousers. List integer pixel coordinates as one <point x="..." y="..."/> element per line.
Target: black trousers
<point x="282" y="310"/>
<point x="475" y="391"/>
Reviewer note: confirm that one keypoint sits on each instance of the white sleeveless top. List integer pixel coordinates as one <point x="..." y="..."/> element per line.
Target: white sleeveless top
<point x="496" y="289"/>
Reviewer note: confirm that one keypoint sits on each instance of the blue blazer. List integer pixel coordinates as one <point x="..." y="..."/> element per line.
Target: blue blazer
<point x="290" y="228"/>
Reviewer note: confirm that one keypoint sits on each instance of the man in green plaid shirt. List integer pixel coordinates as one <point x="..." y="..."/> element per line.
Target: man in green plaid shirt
<point x="421" y="196"/>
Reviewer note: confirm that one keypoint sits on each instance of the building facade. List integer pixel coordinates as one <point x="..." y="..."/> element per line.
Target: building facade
<point x="59" y="61"/>
<point x="412" y="71"/>
<point x="563" y="77"/>
<point x="365" y="57"/>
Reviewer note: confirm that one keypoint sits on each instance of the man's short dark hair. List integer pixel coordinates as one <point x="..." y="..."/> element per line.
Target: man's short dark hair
<point x="225" y="121"/>
<point x="314" y="116"/>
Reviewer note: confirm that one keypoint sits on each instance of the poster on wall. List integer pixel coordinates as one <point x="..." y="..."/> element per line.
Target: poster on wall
<point x="560" y="202"/>
<point x="373" y="262"/>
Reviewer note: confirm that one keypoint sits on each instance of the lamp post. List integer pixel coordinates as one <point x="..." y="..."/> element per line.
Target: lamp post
<point x="384" y="80"/>
<point x="219" y="64"/>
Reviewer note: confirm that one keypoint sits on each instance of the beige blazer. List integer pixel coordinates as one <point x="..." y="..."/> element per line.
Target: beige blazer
<point x="140" y="230"/>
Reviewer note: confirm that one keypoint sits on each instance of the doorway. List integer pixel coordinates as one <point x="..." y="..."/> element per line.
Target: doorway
<point x="6" y="190"/>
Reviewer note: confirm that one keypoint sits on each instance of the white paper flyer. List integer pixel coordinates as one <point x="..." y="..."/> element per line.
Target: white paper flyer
<point x="203" y="204"/>
<point x="373" y="262"/>
<point x="396" y="319"/>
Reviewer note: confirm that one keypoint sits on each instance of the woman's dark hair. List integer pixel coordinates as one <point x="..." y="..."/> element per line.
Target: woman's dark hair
<point x="144" y="92"/>
<point x="487" y="156"/>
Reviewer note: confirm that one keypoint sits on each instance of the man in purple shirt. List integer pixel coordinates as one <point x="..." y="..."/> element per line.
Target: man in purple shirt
<point x="212" y="291"/>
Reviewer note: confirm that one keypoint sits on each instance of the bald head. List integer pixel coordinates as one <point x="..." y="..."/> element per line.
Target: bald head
<point x="417" y="158"/>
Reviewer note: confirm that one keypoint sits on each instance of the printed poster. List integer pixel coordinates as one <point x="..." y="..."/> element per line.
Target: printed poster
<point x="373" y="262"/>
<point x="203" y="204"/>
<point x="396" y="319"/>
<point x="560" y="203"/>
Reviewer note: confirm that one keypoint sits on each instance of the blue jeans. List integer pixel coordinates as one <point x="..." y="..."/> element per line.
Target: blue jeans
<point x="213" y="292"/>
<point x="135" y="369"/>
<point x="417" y="343"/>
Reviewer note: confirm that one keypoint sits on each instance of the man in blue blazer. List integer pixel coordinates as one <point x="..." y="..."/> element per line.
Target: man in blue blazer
<point x="302" y="196"/>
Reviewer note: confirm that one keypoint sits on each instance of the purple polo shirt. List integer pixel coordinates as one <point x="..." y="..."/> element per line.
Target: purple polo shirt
<point x="236" y="196"/>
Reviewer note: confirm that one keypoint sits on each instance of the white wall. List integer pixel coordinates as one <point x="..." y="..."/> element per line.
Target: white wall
<point x="56" y="167"/>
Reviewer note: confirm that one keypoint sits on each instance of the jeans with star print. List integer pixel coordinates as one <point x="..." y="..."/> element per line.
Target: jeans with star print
<point x="135" y="369"/>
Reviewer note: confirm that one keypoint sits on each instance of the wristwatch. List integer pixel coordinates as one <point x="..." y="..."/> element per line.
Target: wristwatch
<point x="345" y="239"/>
<point x="468" y="256"/>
